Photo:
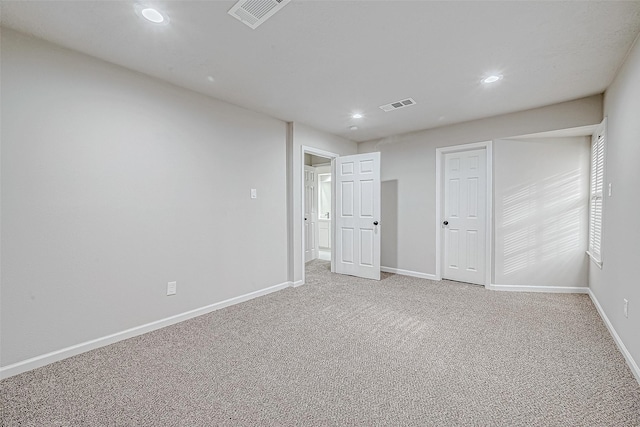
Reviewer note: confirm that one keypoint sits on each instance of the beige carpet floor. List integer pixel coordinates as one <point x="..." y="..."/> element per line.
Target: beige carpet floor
<point x="343" y="351"/>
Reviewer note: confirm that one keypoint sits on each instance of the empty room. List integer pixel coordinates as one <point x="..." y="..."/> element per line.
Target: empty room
<point x="317" y="213"/>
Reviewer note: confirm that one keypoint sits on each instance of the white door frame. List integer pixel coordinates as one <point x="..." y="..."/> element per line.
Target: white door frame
<point x="440" y="154"/>
<point x="331" y="156"/>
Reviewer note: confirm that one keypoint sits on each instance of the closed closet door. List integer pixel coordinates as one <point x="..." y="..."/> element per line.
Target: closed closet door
<point x="464" y="222"/>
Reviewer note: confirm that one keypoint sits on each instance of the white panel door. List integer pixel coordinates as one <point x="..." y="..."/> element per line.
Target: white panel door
<point x="464" y="220"/>
<point x="310" y="214"/>
<point x="357" y="242"/>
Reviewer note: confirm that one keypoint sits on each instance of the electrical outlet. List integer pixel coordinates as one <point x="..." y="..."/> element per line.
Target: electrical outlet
<point x="254" y="193"/>
<point x="626" y="308"/>
<point x="171" y="288"/>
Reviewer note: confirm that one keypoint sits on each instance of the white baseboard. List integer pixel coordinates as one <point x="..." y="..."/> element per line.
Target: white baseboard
<point x="408" y="273"/>
<point x="54" y="356"/>
<point x="297" y="283"/>
<point x="548" y="289"/>
<point x="623" y="349"/>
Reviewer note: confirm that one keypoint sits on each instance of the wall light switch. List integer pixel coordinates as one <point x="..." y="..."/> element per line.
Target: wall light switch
<point x="171" y="288"/>
<point x="626" y="308"/>
<point x="254" y="193"/>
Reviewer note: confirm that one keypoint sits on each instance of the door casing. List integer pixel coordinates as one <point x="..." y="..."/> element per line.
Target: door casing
<point x="440" y="159"/>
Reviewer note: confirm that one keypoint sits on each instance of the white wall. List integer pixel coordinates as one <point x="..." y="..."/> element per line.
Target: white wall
<point x="305" y="136"/>
<point x="408" y="173"/>
<point x="541" y="196"/>
<point x="619" y="278"/>
<point x="113" y="184"/>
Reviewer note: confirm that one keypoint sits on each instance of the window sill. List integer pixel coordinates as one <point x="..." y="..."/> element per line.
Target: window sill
<point x="595" y="260"/>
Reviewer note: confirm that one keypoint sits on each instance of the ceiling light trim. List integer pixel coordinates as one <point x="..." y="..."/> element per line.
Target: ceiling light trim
<point x="492" y="78"/>
<point x="151" y="14"/>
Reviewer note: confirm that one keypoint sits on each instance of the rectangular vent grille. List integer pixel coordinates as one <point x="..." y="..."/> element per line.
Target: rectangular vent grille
<point x="255" y="12"/>
<point x="398" y="104"/>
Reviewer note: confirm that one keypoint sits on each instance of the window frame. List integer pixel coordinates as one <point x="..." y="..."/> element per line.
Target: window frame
<point x="597" y="174"/>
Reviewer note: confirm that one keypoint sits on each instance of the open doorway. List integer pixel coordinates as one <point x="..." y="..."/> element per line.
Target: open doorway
<point x="318" y="211"/>
<point x="353" y="221"/>
<point x="324" y="212"/>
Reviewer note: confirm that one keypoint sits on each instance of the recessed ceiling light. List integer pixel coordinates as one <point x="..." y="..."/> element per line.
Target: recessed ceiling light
<point x="492" y="79"/>
<point x="353" y="128"/>
<point x="152" y="15"/>
<point x="357" y="116"/>
<point x="211" y="79"/>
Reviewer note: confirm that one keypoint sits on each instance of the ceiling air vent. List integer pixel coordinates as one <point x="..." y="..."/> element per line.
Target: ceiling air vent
<point x="398" y="104"/>
<point x="255" y="12"/>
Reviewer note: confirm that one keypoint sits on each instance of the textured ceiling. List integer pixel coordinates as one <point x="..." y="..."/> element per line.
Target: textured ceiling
<point x="317" y="62"/>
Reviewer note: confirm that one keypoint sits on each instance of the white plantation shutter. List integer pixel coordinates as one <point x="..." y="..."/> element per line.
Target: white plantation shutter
<point x="598" y="141"/>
